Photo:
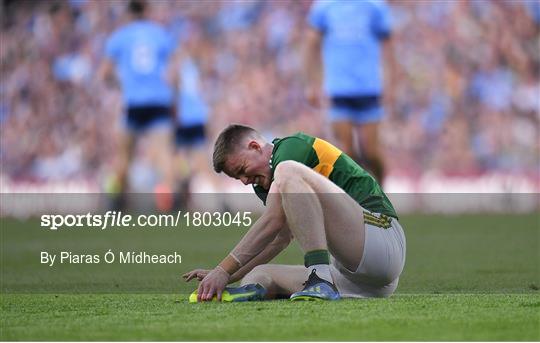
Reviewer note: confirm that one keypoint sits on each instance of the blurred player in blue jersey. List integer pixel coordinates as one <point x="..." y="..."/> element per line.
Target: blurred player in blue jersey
<point x="139" y="52"/>
<point x="349" y="35"/>
<point x="191" y="114"/>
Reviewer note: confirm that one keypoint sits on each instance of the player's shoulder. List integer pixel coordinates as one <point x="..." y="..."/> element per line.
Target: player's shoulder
<point x="291" y="147"/>
<point x="126" y="28"/>
<point x="122" y="33"/>
<point x="117" y="33"/>
<point x="377" y="4"/>
<point x="156" y="30"/>
<point x="322" y="6"/>
<point x="148" y="26"/>
<point x="155" y="26"/>
<point x="295" y="138"/>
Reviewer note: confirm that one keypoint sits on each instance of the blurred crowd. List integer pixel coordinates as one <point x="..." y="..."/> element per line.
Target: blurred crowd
<point x="463" y="95"/>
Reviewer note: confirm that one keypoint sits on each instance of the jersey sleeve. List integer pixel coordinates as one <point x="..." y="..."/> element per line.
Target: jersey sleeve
<point x="316" y="16"/>
<point x="382" y="21"/>
<point x="168" y="44"/>
<point x="294" y="149"/>
<point x="112" y="47"/>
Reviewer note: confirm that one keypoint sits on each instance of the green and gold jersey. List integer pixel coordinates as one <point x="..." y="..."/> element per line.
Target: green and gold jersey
<point x="329" y="161"/>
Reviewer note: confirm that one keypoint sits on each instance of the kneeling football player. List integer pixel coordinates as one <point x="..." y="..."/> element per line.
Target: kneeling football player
<point x="346" y="226"/>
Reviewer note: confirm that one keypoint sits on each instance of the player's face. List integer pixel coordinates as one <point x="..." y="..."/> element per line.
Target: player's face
<point x="250" y="166"/>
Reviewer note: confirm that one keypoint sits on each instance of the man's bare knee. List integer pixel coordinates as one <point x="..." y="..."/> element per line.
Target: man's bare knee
<point x="287" y="169"/>
<point x="288" y="172"/>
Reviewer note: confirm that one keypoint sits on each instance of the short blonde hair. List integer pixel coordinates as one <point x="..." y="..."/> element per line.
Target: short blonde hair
<point x="228" y="141"/>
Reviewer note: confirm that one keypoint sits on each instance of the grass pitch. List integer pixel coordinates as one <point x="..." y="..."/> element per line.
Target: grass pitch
<point x="167" y="317"/>
<point x="473" y="277"/>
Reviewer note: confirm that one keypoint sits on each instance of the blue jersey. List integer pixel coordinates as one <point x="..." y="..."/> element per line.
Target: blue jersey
<point x="141" y="52"/>
<point x="352" y="32"/>
<point x="193" y="108"/>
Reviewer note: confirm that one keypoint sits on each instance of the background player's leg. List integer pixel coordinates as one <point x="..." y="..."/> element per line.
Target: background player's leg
<point x="162" y="153"/>
<point x="369" y="145"/>
<point x="162" y="157"/>
<point x="343" y="134"/>
<point x="342" y="217"/>
<point x="190" y="162"/>
<point x="182" y="175"/>
<point x="279" y="280"/>
<point x="127" y="143"/>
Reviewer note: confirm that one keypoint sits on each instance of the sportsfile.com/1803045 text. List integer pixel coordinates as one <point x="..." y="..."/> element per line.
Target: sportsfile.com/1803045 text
<point x="117" y="219"/>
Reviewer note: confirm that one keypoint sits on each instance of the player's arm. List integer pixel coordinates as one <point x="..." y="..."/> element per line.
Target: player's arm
<point x="279" y="243"/>
<point x="105" y="72"/>
<point x="111" y="53"/>
<point x="259" y="236"/>
<point x="174" y="78"/>
<point x="313" y="65"/>
<point x="390" y="72"/>
<point x="382" y="28"/>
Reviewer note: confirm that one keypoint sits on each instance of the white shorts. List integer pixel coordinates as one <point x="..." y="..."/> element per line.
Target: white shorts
<point x="382" y="262"/>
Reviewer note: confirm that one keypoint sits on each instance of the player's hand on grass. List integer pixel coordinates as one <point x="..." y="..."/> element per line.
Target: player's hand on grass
<point x="198" y="274"/>
<point x="213" y="284"/>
